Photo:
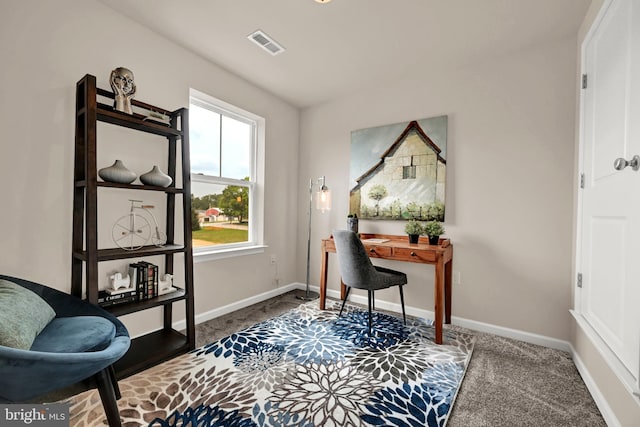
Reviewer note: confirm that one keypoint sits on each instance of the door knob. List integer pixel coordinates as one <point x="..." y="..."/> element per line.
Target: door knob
<point x="621" y="163"/>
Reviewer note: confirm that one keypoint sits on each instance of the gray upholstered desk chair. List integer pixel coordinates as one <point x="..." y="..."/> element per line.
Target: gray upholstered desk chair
<point x="358" y="272"/>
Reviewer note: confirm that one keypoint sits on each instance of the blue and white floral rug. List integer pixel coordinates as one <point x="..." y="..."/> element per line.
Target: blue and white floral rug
<point x="306" y="367"/>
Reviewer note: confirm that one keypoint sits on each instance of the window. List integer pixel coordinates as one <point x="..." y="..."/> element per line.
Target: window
<point x="226" y="161"/>
<point x="408" y="172"/>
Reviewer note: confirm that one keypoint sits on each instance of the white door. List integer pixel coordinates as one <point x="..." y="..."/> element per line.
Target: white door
<point x="610" y="129"/>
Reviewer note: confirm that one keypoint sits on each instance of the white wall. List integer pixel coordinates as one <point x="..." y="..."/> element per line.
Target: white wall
<point x="509" y="167"/>
<point x="46" y="48"/>
<point x="509" y="182"/>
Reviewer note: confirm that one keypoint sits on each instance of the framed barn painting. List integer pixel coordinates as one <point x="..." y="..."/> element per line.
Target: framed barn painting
<point x="399" y="171"/>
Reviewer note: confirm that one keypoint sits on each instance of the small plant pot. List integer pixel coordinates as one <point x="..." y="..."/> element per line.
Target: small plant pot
<point x="413" y="238"/>
<point x="434" y="240"/>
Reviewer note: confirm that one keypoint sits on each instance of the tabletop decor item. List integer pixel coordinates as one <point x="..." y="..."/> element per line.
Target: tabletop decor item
<point x="156" y="177"/>
<point x="124" y="89"/>
<point x="120" y="282"/>
<point x="434" y="230"/>
<point x="117" y="172"/>
<point x="414" y="229"/>
<point x="352" y="223"/>
<point x="158" y="117"/>
<point x="165" y="285"/>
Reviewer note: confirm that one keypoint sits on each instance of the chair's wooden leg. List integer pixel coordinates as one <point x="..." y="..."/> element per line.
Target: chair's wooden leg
<point x="344" y="301"/>
<point x="108" y="397"/>
<point x="404" y="315"/>
<point x="114" y="381"/>
<point x="370" y="295"/>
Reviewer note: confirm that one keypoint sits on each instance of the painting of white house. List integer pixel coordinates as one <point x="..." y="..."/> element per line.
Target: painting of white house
<point x="398" y="171"/>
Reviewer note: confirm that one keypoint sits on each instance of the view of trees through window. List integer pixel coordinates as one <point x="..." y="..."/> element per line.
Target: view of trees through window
<point x="222" y="173"/>
<point x="222" y="217"/>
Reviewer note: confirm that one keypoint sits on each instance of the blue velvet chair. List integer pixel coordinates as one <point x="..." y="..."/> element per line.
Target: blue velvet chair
<point x="358" y="272"/>
<point x="81" y="342"/>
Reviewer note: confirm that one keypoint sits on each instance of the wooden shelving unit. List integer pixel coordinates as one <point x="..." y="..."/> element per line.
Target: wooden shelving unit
<point x="158" y="346"/>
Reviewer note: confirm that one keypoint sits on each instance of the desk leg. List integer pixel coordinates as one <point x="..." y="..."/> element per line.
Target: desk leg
<point x="343" y="290"/>
<point x="439" y="297"/>
<point x="448" y="270"/>
<point x="323" y="278"/>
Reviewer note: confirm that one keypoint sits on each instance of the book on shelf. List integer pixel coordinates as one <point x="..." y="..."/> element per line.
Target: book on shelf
<point x="135" y="271"/>
<point x="152" y="280"/>
<point x="105" y="299"/>
<point x="146" y="279"/>
<point x="120" y="291"/>
<point x="156" y="280"/>
<point x="127" y="300"/>
<point x="133" y="274"/>
<point x="142" y="280"/>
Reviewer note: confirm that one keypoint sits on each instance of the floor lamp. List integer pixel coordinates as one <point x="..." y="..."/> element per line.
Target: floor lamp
<point x="323" y="202"/>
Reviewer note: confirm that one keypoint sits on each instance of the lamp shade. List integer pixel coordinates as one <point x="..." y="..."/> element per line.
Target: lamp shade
<point x="323" y="199"/>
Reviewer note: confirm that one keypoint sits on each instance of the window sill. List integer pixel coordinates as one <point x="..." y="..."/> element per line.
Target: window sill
<point x="227" y="253"/>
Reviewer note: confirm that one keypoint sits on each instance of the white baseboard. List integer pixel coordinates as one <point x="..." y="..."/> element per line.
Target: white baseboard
<point x="238" y="305"/>
<point x="501" y="331"/>
<point x="601" y="402"/>
<point x="386" y="305"/>
<point x="458" y="321"/>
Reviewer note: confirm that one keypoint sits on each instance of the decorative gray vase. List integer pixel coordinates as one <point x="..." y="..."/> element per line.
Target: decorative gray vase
<point x="117" y="173"/>
<point x="156" y="177"/>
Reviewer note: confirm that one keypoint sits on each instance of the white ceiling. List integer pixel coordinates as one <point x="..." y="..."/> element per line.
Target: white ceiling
<point x="344" y="46"/>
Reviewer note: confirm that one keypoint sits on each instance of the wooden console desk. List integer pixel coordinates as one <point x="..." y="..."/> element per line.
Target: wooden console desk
<point x="398" y="248"/>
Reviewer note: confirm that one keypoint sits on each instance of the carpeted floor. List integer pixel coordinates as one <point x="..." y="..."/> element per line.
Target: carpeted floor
<point x="508" y="382"/>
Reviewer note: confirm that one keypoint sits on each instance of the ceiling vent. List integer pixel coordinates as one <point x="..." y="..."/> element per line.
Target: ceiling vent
<point x="265" y="41"/>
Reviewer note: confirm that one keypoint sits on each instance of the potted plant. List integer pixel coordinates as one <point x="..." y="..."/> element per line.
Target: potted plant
<point x="433" y="229"/>
<point x="414" y="229"/>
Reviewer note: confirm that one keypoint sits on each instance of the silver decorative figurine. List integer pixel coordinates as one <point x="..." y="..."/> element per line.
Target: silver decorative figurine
<point x="124" y="89"/>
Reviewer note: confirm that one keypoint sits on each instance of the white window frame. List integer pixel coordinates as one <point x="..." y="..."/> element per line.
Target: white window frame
<point x="255" y="243"/>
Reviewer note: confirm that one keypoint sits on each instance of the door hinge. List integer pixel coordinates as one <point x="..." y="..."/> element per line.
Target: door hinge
<point x="581" y="180"/>
<point x="584" y="81"/>
<point x="579" y="280"/>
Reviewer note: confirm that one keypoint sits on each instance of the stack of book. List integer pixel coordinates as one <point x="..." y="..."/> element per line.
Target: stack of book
<point x="144" y="285"/>
<point x="145" y="277"/>
<point x="120" y="296"/>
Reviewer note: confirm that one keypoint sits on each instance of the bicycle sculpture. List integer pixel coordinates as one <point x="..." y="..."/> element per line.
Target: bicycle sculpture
<point x="133" y="231"/>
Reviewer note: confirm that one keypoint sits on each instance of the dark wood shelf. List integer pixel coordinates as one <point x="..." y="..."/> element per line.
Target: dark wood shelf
<point x="108" y="115"/>
<point x="142" y="354"/>
<point x="176" y="190"/>
<point x="118" y="253"/>
<point x="122" y="309"/>
<point x="92" y="107"/>
<point x="139" y="187"/>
